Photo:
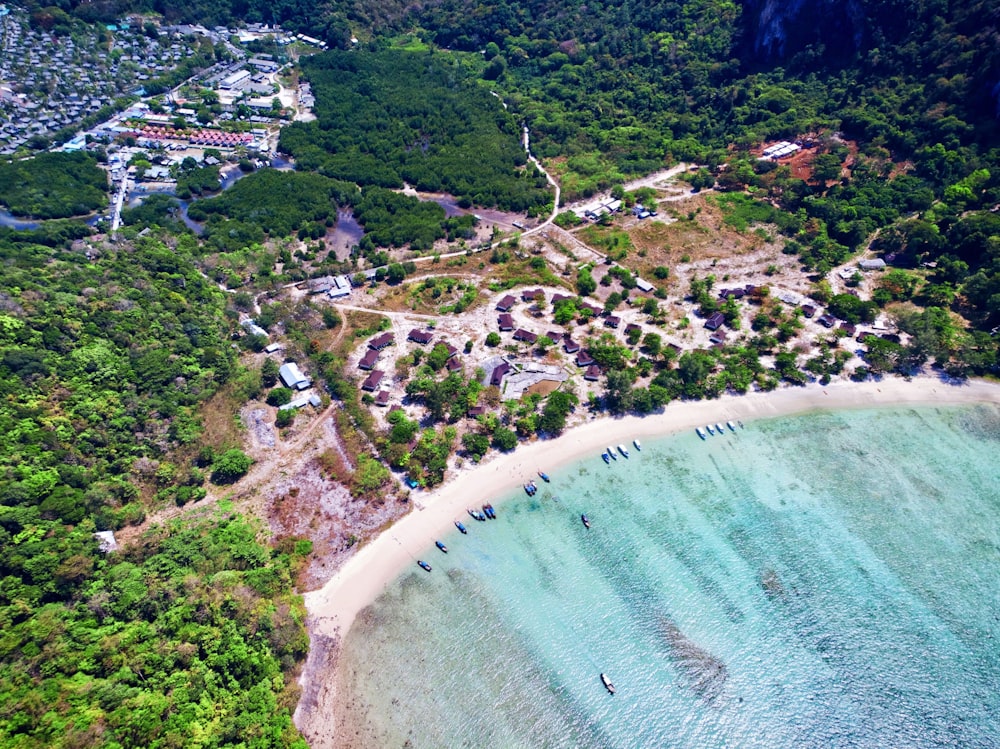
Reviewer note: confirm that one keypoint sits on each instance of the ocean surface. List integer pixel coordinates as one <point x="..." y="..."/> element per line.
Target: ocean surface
<point x="829" y="580"/>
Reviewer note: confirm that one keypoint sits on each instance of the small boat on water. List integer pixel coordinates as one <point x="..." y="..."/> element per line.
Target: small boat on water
<point x="605" y="457"/>
<point x="611" y="452"/>
<point x="700" y="432"/>
<point x="710" y="429"/>
<point x="607" y="683"/>
<point x="586" y="521"/>
<point x="544" y="476"/>
<point x="461" y="528"/>
<point x="623" y="450"/>
<point x="638" y="446"/>
<point x="441" y="546"/>
<point x="490" y="512"/>
<point x="720" y="429"/>
<point x="530" y="488"/>
<point x="731" y="425"/>
<point x="424" y="565"/>
<point x="477" y="515"/>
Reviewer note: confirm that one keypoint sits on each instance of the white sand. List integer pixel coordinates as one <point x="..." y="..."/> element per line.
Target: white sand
<point x="359" y="582"/>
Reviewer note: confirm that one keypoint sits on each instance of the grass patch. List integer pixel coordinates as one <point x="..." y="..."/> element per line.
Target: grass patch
<point x="611" y="240"/>
<point x="740" y="211"/>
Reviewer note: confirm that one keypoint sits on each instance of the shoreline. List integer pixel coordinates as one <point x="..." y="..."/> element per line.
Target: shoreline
<point x="333" y="608"/>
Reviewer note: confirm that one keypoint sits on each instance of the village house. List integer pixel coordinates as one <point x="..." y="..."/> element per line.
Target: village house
<point x="382" y="341"/>
<point x="584" y="359"/>
<point x="570" y="346"/>
<point x="382" y="399"/>
<point x="593" y="373"/>
<point x="612" y="321"/>
<point x="422" y="337"/>
<point x="505" y="322"/>
<point x="369" y="360"/>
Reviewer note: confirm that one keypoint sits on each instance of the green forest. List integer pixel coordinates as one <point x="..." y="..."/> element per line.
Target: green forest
<point x="394" y="117"/>
<point x="182" y="641"/>
<point x="53" y="185"/>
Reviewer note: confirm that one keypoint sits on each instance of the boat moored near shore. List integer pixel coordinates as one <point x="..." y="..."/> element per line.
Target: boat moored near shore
<point x="623" y="450"/>
<point x="607" y="683"/>
<point x="731" y="425"/>
<point x="700" y="432"/>
<point x="638" y="445"/>
<point x="585" y="520"/>
<point x="441" y="546"/>
<point x="461" y="528"/>
<point x="424" y="565"/>
<point x="605" y="458"/>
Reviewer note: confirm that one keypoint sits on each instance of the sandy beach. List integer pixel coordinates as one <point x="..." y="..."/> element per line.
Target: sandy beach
<point x="334" y="607"/>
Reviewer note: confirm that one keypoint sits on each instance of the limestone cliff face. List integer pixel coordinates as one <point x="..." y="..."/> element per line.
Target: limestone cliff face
<point x="781" y="28"/>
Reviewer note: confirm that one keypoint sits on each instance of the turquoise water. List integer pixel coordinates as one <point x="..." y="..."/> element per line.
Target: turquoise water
<point x="830" y="580"/>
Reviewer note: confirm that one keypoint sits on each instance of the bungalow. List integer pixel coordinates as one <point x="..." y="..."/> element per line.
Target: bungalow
<point x="593" y="373"/>
<point x="373" y="380"/>
<point x="505" y="321"/>
<point x="380" y="342"/>
<point x="251" y="327"/>
<point x="594" y="311"/>
<point x="292" y="376"/>
<point x="525" y="335"/>
<point x="382" y="398"/>
<point x="872" y="264"/>
<point x="451" y="349"/>
<point x="827" y="321"/>
<point x="273" y="347"/>
<point x="584" y="359"/>
<point x="423" y="337"/>
<point x="476" y="411"/>
<point x="454" y="364"/>
<point x="559" y="298"/>
<point x="570" y="346"/>
<point x="554" y="335"/>
<point x="644" y="286"/>
<point x="295" y="404"/>
<point x="532" y="295"/>
<point x="369" y="360"/>
<point x="612" y="321"/>
<point x="505" y="304"/>
<point x="732" y="293"/>
<point x="715" y="321"/>
<point x="632" y="328"/>
<point x="717" y="338"/>
<point x="808" y="310"/>
<point x="499" y="372"/>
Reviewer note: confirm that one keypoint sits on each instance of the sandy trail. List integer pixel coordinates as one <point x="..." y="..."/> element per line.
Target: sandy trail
<point x="334" y="607"/>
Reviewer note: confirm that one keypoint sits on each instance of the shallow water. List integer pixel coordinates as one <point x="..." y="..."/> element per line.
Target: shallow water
<point x="828" y="580"/>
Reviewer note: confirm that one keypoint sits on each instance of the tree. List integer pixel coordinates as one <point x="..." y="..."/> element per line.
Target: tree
<point x="231" y="466"/>
<point x="269" y="373"/>
<point x="279" y="396"/>
<point x="475" y="444"/>
<point x="395" y="274"/>
<point x="438" y="357"/>
<point x="558" y="406"/>
<point x="585" y="283"/>
<point x="652" y="343"/>
<point x="504" y="439"/>
<point x="618" y="397"/>
<point x="493" y="339"/>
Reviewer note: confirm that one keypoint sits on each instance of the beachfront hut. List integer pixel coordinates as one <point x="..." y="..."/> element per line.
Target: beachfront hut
<point x="612" y="321"/>
<point x="372" y="381"/>
<point x="382" y="398"/>
<point x="369" y="360"/>
<point x="525" y="335"/>
<point x="593" y="373"/>
<point x="505" y="322"/>
<point x="499" y="372"/>
<point x="715" y="321"/>
<point x="505" y="304"/>
<point x="570" y="346"/>
<point x="584" y="359"/>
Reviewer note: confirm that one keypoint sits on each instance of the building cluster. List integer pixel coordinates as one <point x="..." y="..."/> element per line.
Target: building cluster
<point x="50" y="82"/>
